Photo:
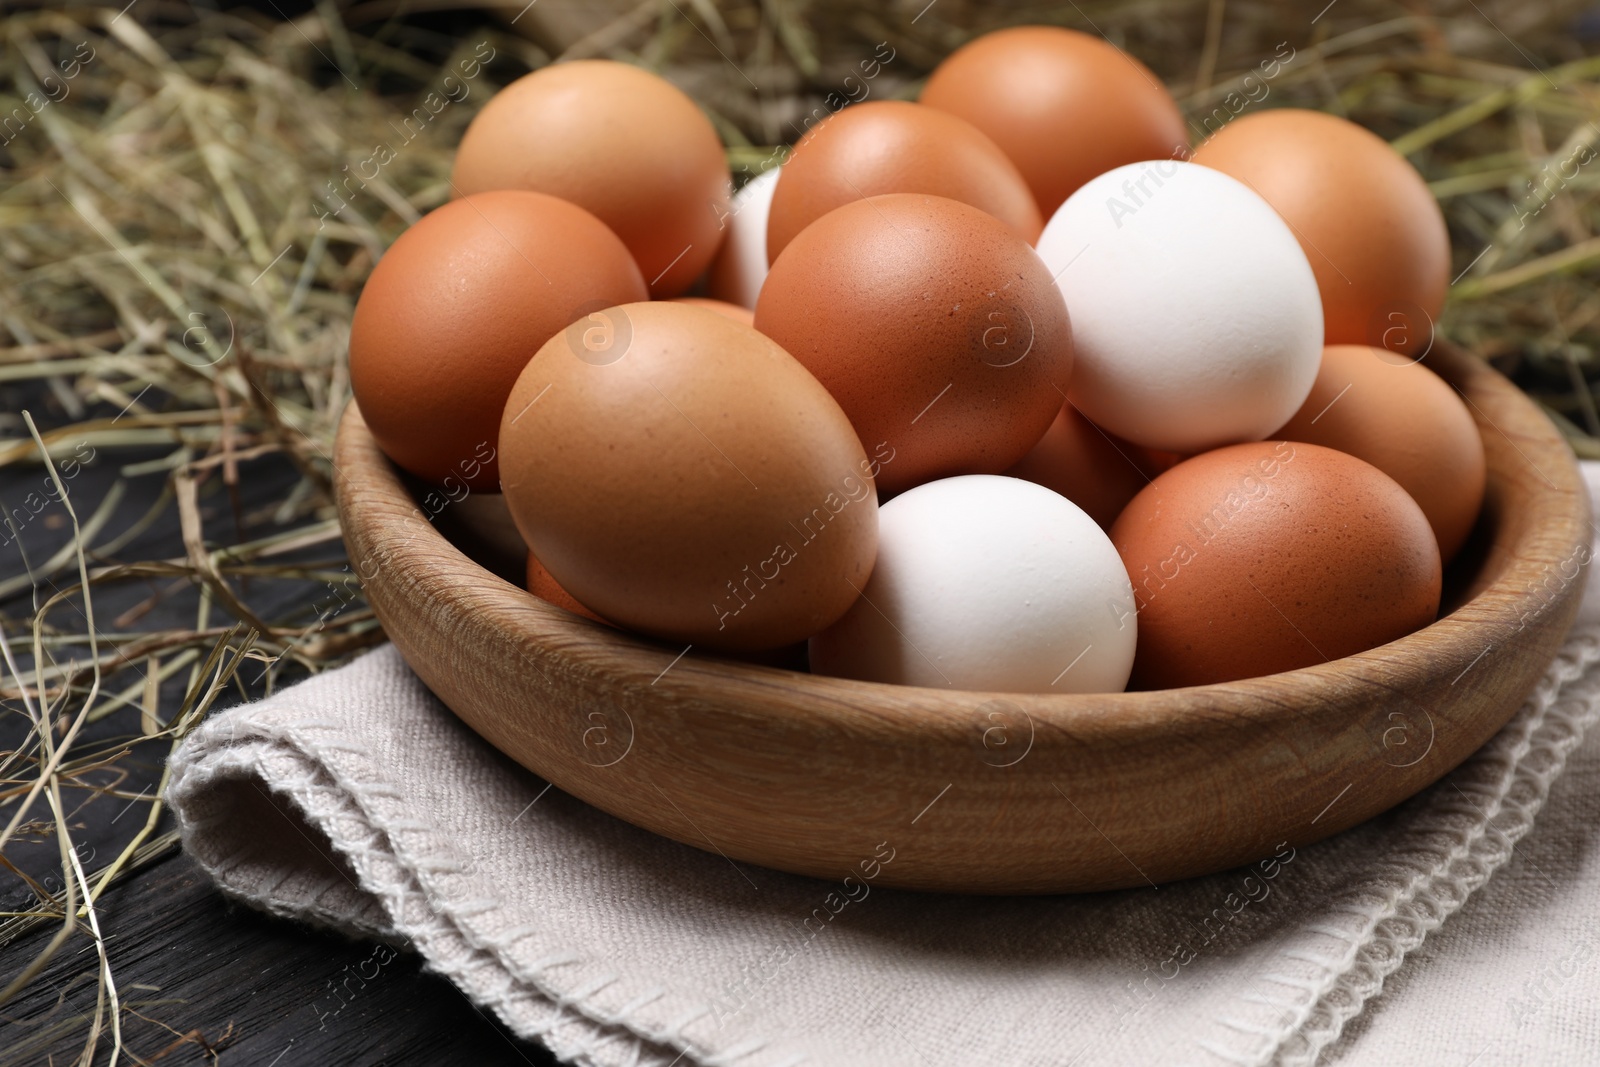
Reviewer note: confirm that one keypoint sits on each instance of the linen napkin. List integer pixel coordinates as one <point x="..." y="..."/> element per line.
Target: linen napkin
<point x="357" y="801"/>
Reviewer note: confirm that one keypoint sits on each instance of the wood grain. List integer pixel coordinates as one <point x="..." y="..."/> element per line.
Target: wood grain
<point x="985" y="792"/>
<point x="256" y="989"/>
<point x="205" y="982"/>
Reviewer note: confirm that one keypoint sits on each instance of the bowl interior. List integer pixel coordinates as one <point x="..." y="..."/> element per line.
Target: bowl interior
<point x="808" y="773"/>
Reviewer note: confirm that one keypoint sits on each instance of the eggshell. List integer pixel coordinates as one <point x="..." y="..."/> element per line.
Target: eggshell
<point x="1403" y="419"/>
<point x="682" y="476"/>
<point x="456" y="308"/>
<point x="987" y="583"/>
<point x="1271" y="556"/>
<point x="741" y="263"/>
<point x="1064" y="106"/>
<point x="892" y="146"/>
<point x="1195" y="314"/>
<point x="1373" y="232"/>
<point x="1154" y="460"/>
<point x="570" y="130"/>
<point x="933" y="324"/>
<point x="1086" y="465"/>
<point x="742" y="315"/>
<point x="542" y="584"/>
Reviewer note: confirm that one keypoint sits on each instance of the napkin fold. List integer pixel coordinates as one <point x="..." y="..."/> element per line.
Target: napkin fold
<point x="357" y="801"/>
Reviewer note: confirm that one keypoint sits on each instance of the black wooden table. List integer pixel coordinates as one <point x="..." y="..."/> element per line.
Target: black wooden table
<point x="202" y="980"/>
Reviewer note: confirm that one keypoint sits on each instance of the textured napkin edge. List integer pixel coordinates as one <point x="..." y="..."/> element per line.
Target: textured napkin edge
<point x="1428" y="882"/>
<point x="645" y="1028"/>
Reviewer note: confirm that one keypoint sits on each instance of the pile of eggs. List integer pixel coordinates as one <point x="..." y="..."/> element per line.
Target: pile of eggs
<point x="1006" y="389"/>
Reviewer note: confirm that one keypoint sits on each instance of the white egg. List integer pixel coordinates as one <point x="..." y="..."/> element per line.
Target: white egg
<point x="1195" y="315"/>
<point x="741" y="264"/>
<point x="992" y="583"/>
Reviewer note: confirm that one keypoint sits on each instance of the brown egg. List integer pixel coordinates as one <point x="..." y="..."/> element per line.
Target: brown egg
<point x="892" y="146"/>
<point x="542" y="584"/>
<point x="1153" y="460"/>
<point x="743" y="316"/>
<point x="1088" y="466"/>
<point x="682" y="476"/>
<point x="1064" y="106"/>
<point x="938" y="329"/>
<point x="1373" y="232"/>
<point x="1403" y="419"/>
<point x="1268" y="557"/>
<point x="456" y="308"/>
<point x="622" y="143"/>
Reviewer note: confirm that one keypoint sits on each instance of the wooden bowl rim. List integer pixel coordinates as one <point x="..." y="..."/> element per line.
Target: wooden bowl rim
<point x="1455" y="636"/>
<point x="762" y="756"/>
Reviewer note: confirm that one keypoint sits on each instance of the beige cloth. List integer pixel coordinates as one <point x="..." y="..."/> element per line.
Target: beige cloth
<point x="357" y="801"/>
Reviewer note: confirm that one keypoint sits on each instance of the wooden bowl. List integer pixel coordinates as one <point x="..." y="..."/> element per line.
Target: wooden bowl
<point x="985" y="792"/>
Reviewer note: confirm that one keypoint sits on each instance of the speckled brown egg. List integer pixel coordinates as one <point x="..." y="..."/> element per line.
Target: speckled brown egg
<point x="456" y="308"/>
<point x="1373" y="232"/>
<point x="1405" y="420"/>
<point x="1063" y="105"/>
<point x="619" y="141"/>
<point x="1088" y="466"/>
<point x="891" y="146"/>
<point x="742" y="315"/>
<point x="937" y="328"/>
<point x="1271" y="556"/>
<point x="683" y="476"/>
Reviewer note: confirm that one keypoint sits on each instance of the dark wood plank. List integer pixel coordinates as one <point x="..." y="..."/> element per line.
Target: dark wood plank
<point x="199" y="973"/>
<point x="256" y="989"/>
